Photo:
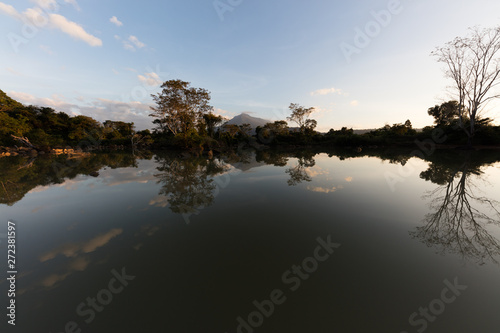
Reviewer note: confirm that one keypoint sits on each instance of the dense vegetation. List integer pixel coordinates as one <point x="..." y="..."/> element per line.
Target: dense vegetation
<point x="184" y="119"/>
<point x="45" y="127"/>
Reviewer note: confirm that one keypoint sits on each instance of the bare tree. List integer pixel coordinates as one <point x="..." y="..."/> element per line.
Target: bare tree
<point x="473" y="63"/>
<point x="299" y="115"/>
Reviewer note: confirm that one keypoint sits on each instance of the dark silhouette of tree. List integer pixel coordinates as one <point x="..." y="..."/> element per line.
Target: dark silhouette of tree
<point x="473" y="63"/>
<point x="461" y="217"/>
<point x="299" y="116"/>
<point x="445" y="114"/>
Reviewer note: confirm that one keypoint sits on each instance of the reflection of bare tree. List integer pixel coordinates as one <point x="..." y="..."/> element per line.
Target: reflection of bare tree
<point x="298" y="173"/>
<point x="188" y="183"/>
<point x="459" y="222"/>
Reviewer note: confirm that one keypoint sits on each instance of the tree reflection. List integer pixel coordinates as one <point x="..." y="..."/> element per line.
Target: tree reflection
<point x="460" y="219"/>
<point x="298" y="173"/>
<point x="188" y="183"/>
<point x="19" y="175"/>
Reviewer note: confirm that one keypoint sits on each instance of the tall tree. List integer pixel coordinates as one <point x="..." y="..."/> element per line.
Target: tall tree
<point x="445" y="113"/>
<point x="473" y="63"/>
<point x="299" y="115"/>
<point x="212" y="121"/>
<point x="179" y="107"/>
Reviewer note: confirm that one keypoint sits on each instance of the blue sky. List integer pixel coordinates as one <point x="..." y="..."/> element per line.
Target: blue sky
<point x="360" y="64"/>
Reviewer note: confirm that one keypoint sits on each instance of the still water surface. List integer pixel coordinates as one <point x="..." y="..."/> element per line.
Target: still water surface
<point x="256" y="242"/>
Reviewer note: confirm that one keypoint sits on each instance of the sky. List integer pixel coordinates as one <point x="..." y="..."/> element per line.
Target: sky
<point x="360" y="64"/>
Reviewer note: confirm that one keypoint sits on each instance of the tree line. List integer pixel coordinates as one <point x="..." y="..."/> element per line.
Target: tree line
<point x="46" y="128"/>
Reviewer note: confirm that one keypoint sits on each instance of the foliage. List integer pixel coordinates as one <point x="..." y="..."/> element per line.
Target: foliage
<point x="179" y="107"/>
<point x="45" y="127"/>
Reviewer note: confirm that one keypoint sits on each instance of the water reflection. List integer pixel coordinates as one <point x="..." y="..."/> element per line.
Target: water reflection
<point x="187" y="184"/>
<point x="460" y="217"/>
<point x="19" y="175"/>
<point x="298" y="173"/>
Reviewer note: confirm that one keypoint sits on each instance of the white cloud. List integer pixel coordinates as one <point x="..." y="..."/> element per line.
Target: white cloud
<point x="54" y="102"/>
<point x="150" y="79"/>
<point x="74" y="3"/>
<point x="354" y="103"/>
<point x="115" y="71"/>
<point x="9" y="10"/>
<point x="316" y="171"/>
<point x="46" y="4"/>
<point x="327" y="91"/>
<point x="74" y="30"/>
<point x="115" y="21"/>
<point x="128" y="46"/>
<point x="225" y="113"/>
<point x="56" y="21"/>
<point x="136" y="42"/>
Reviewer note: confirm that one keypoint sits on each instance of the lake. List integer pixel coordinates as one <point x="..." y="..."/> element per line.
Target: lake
<point x="266" y="241"/>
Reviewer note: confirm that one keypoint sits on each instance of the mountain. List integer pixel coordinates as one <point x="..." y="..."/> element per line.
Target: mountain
<point x="245" y="118"/>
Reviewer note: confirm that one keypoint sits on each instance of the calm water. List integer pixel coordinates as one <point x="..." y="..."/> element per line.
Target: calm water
<point x="256" y="242"/>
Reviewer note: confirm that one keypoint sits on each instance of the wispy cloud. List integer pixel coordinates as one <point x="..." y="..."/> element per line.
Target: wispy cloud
<point x="115" y="21"/>
<point x="9" y="10"/>
<point x="316" y="171"/>
<point x="74" y="3"/>
<point x="74" y="30"/>
<point x="354" y="103"/>
<point x="136" y="42"/>
<point x="73" y="249"/>
<point x="327" y="91"/>
<point x="55" y="21"/>
<point x="150" y="79"/>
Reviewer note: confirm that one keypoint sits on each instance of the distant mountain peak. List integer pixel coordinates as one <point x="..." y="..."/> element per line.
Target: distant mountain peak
<point x="245" y="118"/>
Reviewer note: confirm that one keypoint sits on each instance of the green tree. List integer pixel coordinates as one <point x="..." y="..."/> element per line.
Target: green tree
<point x="212" y="121"/>
<point x="83" y="127"/>
<point x="179" y="107"/>
<point x="118" y="130"/>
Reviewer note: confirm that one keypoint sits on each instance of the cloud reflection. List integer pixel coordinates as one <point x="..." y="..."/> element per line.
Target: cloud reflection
<point x="73" y="249"/>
